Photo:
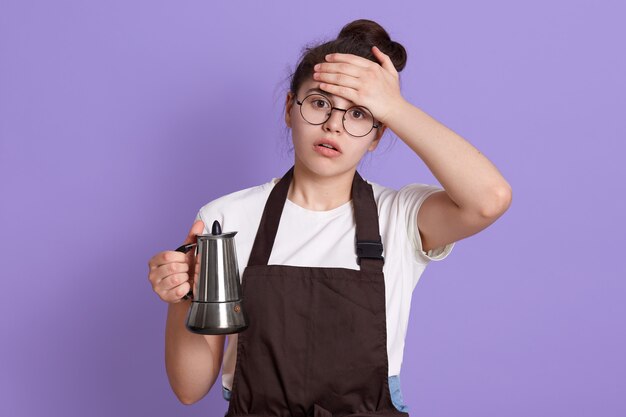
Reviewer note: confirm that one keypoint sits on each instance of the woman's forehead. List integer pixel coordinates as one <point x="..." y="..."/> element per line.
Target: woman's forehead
<point x="314" y="87"/>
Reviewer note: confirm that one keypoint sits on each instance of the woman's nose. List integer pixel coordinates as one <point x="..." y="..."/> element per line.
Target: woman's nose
<point x="335" y="121"/>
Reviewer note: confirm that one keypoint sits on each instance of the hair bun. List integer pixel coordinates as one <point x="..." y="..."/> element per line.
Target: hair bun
<point x="371" y="34"/>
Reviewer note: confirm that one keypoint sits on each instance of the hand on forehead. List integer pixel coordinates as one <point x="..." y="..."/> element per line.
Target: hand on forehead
<point x="338" y="63"/>
<point x="360" y="81"/>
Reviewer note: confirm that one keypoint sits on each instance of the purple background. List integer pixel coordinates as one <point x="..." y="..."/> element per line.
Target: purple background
<point x="120" y="119"/>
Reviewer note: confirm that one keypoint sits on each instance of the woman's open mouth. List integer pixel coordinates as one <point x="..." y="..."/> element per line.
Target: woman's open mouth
<point x="326" y="149"/>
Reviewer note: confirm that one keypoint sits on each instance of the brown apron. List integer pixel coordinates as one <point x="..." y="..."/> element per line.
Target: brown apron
<point x="316" y="345"/>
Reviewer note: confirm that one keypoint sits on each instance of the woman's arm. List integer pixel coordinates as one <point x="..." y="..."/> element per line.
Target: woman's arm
<point x="192" y="361"/>
<point x="475" y="194"/>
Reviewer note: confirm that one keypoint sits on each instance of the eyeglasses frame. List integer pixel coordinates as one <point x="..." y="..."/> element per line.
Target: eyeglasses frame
<point x="330" y="113"/>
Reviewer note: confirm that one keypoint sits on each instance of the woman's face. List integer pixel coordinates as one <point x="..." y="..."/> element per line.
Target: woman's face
<point x="308" y="139"/>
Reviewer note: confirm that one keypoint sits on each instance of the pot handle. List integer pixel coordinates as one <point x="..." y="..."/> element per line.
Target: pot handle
<point x="184" y="249"/>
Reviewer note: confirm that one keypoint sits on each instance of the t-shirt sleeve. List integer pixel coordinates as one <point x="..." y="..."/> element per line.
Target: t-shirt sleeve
<point x="410" y="199"/>
<point x="199" y="217"/>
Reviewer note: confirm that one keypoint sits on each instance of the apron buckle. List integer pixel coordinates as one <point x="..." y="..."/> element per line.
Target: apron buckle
<point x="370" y="249"/>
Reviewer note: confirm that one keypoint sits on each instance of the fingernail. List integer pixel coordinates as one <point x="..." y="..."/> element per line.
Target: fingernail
<point x="317" y="67"/>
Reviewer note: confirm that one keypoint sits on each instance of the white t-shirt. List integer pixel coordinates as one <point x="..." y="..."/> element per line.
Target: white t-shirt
<point x="326" y="239"/>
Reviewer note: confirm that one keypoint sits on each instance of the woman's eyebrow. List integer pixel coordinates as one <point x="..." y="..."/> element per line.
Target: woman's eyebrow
<point x="317" y="90"/>
<point x="322" y="92"/>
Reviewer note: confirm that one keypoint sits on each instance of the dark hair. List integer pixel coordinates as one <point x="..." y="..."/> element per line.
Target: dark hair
<point x="355" y="38"/>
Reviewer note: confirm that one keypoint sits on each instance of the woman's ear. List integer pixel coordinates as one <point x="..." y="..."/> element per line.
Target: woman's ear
<point x="288" y="106"/>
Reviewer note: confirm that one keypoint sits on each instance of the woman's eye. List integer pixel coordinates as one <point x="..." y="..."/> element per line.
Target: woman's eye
<point x="320" y="103"/>
<point x="357" y="114"/>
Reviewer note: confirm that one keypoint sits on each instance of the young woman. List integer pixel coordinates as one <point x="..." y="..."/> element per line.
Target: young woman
<point x="330" y="260"/>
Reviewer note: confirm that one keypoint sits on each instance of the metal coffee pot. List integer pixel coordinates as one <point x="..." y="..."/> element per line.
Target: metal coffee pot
<point x="216" y="293"/>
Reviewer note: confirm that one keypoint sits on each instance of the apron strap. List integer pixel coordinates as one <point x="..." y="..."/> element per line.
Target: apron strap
<point x="368" y="244"/>
<point x="266" y="234"/>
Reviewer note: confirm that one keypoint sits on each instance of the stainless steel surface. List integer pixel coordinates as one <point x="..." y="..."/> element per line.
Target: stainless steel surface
<point x="216" y="318"/>
<point x="218" y="276"/>
<point x="216" y="306"/>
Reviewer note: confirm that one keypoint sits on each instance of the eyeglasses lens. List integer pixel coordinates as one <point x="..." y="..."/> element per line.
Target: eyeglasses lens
<point x="357" y="121"/>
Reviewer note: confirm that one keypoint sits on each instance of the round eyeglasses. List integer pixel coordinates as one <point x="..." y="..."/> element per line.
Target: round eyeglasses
<point x="316" y="110"/>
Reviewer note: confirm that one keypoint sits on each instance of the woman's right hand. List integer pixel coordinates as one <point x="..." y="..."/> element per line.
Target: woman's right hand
<point x="169" y="270"/>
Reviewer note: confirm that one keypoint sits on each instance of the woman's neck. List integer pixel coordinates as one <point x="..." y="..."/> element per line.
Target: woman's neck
<point x="315" y="192"/>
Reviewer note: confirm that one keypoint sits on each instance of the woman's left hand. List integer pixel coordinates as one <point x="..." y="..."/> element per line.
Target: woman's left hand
<point x="362" y="81"/>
